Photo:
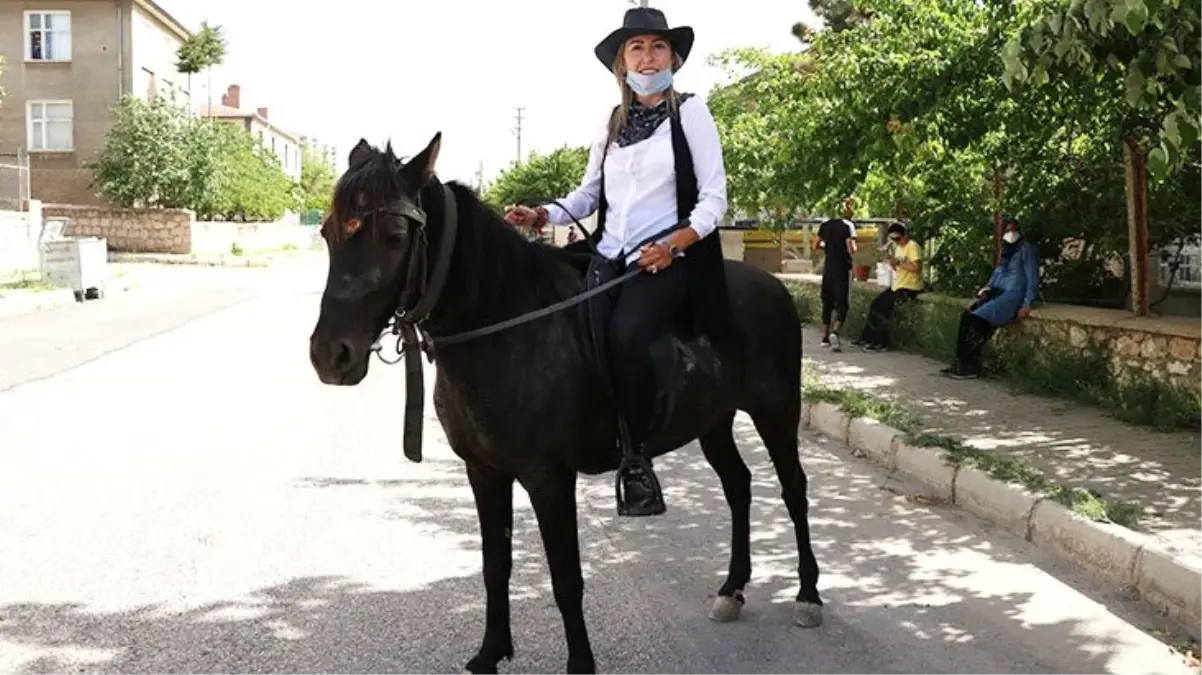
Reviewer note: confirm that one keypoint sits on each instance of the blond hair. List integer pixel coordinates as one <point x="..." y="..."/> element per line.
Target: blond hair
<point x="618" y="120"/>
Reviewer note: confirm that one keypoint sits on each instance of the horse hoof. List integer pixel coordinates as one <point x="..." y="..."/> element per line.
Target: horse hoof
<point x="807" y="614"/>
<point x="726" y="608"/>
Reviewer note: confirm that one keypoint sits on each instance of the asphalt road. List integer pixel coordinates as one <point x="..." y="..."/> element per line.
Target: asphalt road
<point x="186" y="497"/>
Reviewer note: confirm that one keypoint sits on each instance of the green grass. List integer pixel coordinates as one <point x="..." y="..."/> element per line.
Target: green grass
<point x="27" y="282"/>
<point x="1087" y="503"/>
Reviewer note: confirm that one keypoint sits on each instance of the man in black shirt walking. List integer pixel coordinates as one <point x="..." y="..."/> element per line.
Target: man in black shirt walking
<point x="838" y="237"/>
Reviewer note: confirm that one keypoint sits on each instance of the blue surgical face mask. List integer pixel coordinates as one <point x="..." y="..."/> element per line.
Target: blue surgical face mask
<point x="646" y="85"/>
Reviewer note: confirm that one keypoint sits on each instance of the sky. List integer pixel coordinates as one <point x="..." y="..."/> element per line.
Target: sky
<point x="402" y="70"/>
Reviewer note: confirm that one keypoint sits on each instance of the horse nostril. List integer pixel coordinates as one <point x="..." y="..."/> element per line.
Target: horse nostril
<point x="344" y="355"/>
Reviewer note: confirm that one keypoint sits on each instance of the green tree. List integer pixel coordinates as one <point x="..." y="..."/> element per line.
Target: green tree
<point x="200" y="52"/>
<point x="144" y="162"/>
<point x="156" y="155"/>
<point x="317" y="181"/>
<point x="754" y="115"/>
<point x="547" y="176"/>
<point x="249" y="184"/>
<point x="1146" y="52"/>
<point x="907" y="110"/>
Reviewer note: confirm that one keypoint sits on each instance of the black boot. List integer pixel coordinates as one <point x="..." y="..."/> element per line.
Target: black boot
<point x="637" y="489"/>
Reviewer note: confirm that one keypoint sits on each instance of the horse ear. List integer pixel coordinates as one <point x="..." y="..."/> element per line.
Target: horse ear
<point x="420" y="169"/>
<point x="360" y="153"/>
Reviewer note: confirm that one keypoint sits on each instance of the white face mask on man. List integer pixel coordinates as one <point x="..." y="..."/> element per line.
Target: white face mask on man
<point x="1011" y="237"/>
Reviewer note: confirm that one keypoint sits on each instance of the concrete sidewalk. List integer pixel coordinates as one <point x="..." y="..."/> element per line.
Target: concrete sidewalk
<point x="1074" y="445"/>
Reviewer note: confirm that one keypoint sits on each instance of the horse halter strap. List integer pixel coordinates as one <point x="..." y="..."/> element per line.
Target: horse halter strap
<point x="421" y="291"/>
<point x="419" y="295"/>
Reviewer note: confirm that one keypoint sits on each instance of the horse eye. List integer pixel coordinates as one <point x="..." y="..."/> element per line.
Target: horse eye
<point x="395" y="238"/>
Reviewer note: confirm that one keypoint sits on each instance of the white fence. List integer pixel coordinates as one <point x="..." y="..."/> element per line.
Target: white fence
<point x="1189" y="270"/>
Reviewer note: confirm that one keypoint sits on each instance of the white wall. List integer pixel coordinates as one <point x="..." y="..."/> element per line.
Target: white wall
<point x="154" y="50"/>
<point x="217" y="237"/>
<point x="19" y="232"/>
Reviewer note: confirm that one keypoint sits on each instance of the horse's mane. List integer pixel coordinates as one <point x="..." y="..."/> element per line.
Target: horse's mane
<point x="506" y="273"/>
<point x="496" y="272"/>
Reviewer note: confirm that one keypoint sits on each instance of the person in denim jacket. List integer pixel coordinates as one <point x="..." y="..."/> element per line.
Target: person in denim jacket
<point x="1012" y="288"/>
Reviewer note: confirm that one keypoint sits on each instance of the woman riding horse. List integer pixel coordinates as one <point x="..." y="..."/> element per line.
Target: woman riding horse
<point x="656" y="180"/>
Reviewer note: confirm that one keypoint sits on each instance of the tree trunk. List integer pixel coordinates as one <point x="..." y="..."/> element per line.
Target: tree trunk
<point x="1135" y="164"/>
<point x="999" y="191"/>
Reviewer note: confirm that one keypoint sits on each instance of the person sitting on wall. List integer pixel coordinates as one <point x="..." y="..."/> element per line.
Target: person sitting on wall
<point x="905" y="259"/>
<point x="1012" y="287"/>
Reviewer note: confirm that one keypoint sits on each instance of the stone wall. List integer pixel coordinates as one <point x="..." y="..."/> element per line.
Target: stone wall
<point x="128" y="230"/>
<point x="1167" y="348"/>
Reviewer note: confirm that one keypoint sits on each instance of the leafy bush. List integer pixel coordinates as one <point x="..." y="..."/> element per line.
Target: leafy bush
<point x="158" y="156"/>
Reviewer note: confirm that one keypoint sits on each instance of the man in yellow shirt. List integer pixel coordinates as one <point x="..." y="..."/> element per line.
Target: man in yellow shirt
<point x="905" y="258"/>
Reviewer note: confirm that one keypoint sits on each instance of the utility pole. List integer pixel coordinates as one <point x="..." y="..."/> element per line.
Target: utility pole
<point x="518" y="132"/>
<point x="480" y="177"/>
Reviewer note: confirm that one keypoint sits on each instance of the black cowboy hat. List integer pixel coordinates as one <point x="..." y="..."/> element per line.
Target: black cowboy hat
<point x="640" y="21"/>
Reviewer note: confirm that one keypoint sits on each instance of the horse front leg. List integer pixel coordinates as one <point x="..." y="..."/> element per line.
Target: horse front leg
<point x="494" y="506"/>
<point x="553" y="495"/>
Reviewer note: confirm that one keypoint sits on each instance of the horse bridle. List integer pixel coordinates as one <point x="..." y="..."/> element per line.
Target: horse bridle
<point x="418" y="295"/>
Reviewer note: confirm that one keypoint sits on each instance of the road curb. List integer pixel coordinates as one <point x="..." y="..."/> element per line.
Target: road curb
<point x="1118" y="557"/>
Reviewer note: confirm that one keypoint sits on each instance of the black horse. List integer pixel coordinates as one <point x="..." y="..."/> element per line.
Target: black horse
<point x="526" y="402"/>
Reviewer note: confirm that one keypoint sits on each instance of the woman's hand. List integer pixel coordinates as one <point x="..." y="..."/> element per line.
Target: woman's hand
<point x="655" y="257"/>
<point x="522" y="216"/>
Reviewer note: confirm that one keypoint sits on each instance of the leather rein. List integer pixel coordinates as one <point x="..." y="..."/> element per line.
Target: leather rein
<point x="421" y="293"/>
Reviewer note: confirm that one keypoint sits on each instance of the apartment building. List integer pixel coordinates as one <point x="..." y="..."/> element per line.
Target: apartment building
<point x="66" y="63"/>
<point x="326" y="152"/>
<point x="285" y="144"/>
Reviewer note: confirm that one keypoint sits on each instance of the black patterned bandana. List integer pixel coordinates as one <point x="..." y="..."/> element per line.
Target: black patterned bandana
<point x="643" y="121"/>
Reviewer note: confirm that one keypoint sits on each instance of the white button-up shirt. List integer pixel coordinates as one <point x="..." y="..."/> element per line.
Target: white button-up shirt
<point x="640" y="183"/>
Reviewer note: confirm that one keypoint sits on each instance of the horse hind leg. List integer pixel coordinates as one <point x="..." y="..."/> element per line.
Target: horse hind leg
<point x="718" y="446"/>
<point x="778" y="429"/>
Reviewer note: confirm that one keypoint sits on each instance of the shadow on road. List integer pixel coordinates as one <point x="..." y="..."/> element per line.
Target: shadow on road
<point x="908" y="589"/>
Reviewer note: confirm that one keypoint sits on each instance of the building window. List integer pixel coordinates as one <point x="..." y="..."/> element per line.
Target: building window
<point x="48" y="36"/>
<point x="152" y="88"/>
<point x="50" y="125"/>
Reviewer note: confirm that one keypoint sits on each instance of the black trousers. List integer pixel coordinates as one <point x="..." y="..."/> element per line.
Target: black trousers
<point x="876" y="328"/>
<point x="974" y="333"/>
<point x="836" y="295"/>
<point x="645" y="309"/>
